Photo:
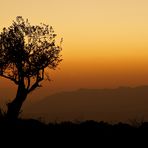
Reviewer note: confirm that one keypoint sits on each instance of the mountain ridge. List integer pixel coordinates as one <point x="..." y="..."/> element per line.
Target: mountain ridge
<point x="119" y="104"/>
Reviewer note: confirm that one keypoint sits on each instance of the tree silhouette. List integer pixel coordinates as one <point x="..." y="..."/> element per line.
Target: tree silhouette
<point x="26" y="52"/>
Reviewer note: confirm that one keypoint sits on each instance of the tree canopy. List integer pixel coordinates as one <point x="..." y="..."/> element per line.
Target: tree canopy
<point x="26" y="50"/>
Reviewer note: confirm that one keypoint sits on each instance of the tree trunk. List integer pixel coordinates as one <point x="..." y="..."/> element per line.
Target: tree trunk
<point x="15" y="106"/>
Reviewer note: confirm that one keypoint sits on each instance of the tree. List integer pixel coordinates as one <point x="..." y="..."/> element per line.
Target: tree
<point x="26" y="52"/>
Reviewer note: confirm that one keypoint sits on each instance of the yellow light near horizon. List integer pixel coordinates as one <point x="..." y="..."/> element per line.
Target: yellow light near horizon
<point x="108" y="39"/>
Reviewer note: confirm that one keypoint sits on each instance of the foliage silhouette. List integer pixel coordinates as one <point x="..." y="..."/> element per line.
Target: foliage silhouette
<point x="86" y="132"/>
<point x="26" y="51"/>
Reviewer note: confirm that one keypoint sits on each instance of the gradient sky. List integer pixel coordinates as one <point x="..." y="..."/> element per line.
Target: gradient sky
<point x="105" y="41"/>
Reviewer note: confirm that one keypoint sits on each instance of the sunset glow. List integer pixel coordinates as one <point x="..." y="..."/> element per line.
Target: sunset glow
<point x="105" y="42"/>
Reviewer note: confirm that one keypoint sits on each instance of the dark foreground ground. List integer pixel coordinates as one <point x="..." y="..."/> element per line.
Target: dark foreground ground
<point x="90" y="133"/>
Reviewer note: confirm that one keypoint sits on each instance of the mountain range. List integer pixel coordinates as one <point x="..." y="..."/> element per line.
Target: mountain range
<point x="111" y="105"/>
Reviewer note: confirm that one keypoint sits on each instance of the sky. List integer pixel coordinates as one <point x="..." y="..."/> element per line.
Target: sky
<point x="105" y="42"/>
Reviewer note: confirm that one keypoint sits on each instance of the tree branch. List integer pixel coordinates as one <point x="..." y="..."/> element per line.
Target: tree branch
<point x="35" y="85"/>
<point x="10" y="78"/>
<point x="28" y="85"/>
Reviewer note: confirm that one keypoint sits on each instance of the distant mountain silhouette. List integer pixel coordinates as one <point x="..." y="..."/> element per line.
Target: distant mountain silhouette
<point x="120" y="104"/>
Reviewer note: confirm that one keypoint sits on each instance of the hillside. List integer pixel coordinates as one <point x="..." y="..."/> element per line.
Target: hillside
<point x="119" y="104"/>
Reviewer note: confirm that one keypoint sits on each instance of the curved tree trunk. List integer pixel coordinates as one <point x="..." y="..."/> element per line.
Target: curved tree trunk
<point x="15" y="106"/>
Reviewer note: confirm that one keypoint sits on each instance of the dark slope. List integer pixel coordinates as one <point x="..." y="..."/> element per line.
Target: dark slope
<point x="118" y="104"/>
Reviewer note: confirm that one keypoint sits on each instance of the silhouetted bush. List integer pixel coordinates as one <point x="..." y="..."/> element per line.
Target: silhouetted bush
<point x="91" y="132"/>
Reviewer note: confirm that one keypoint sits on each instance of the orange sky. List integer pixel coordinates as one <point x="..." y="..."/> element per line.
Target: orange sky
<point x="105" y="42"/>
